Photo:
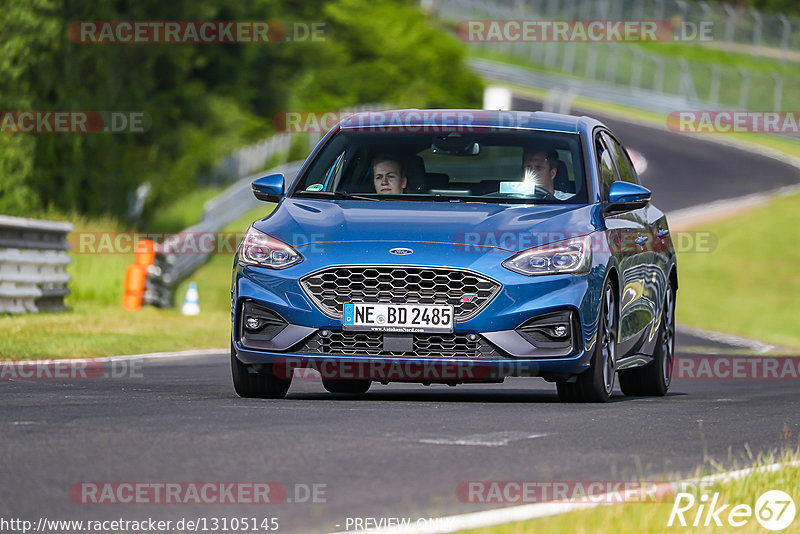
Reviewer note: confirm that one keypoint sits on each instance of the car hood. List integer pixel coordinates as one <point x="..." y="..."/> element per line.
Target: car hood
<point x="509" y="227"/>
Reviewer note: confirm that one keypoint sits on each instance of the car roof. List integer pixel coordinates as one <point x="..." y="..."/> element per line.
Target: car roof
<point x="447" y="119"/>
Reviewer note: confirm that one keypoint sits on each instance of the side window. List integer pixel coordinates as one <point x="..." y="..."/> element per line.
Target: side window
<point x="608" y="174"/>
<point x="626" y="169"/>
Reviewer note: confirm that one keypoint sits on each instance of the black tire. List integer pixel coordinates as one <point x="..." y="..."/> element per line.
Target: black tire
<point x="653" y="379"/>
<point x="262" y="385"/>
<point x="349" y="387"/>
<point x="597" y="382"/>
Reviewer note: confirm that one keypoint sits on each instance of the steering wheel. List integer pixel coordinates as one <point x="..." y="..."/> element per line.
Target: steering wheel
<point x="544" y="194"/>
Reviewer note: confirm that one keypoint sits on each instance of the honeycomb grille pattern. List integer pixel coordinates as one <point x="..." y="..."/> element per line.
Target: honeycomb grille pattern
<point x="425" y="345"/>
<point x="332" y="288"/>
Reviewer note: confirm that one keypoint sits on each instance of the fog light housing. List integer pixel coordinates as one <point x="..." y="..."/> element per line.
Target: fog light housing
<point x="258" y="325"/>
<point x="557" y="330"/>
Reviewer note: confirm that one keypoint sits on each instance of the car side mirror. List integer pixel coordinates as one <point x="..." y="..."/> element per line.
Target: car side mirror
<point x="268" y="188"/>
<point x="625" y="196"/>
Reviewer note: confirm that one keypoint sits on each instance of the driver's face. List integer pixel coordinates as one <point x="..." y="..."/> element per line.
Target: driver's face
<point x="387" y="178"/>
<point x="537" y="162"/>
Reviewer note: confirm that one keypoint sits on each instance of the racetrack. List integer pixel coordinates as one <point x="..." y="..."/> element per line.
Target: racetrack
<point x="399" y="450"/>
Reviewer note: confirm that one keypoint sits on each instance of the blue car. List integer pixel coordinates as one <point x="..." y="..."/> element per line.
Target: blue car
<point x="457" y="246"/>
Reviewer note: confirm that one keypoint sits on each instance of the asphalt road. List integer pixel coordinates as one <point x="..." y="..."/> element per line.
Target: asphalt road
<point x="399" y="450"/>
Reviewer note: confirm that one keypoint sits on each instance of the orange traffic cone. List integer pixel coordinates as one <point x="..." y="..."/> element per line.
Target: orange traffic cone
<point x="134" y="287"/>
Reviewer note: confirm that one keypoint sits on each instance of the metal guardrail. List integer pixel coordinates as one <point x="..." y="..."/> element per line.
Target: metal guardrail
<point x="728" y="27"/>
<point x="251" y="158"/>
<point x="626" y="65"/>
<point x="175" y="261"/>
<point x="605" y="92"/>
<point x="33" y="260"/>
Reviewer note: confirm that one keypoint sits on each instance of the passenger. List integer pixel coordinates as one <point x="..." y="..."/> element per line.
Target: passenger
<point x="389" y="175"/>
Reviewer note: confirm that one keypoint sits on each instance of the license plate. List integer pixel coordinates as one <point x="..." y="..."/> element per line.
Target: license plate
<point x="375" y="317"/>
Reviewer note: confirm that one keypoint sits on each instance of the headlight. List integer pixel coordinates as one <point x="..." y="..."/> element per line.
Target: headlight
<point x="260" y="249"/>
<point x="569" y="256"/>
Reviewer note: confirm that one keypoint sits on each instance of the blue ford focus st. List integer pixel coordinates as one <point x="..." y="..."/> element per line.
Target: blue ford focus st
<point x="455" y="246"/>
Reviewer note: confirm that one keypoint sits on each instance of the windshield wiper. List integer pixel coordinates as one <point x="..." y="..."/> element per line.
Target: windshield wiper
<point x="340" y="195"/>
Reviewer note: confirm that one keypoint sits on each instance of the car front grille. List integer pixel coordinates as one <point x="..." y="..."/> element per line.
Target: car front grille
<point x="425" y="345"/>
<point x="468" y="292"/>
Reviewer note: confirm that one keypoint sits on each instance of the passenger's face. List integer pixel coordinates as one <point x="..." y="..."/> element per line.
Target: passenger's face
<point x="387" y="178"/>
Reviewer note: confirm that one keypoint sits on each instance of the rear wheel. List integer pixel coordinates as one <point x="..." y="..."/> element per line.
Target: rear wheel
<point x="654" y="378"/>
<point x="262" y="385"/>
<point x="351" y="387"/>
<point x="596" y="383"/>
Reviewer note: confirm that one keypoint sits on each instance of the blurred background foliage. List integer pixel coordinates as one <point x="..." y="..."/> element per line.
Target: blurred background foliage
<point x="205" y="100"/>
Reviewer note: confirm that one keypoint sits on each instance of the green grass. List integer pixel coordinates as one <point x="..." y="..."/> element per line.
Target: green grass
<point x="98" y="326"/>
<point x="652" y="517"/>
<point x="749" y="285"/>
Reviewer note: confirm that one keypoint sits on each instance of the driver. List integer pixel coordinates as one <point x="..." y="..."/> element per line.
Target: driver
<point x="541" y="165"/>
<point x="389" y="175"/>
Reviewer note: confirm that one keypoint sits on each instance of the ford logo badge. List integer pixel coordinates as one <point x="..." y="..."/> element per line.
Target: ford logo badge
<point x="401" y="251"/>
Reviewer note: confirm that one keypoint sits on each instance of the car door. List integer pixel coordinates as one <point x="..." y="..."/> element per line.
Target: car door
<point x="627" y="236"/>
<point x="657" y="250"/>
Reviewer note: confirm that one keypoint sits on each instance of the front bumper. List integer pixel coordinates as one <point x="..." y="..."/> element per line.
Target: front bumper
<point x="497" y="325"/>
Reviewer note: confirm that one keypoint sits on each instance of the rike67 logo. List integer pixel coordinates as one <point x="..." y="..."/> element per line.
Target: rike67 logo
<point x="774" y="510"/>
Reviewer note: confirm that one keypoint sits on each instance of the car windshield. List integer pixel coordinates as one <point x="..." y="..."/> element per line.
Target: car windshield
<point x="532" y="167"/>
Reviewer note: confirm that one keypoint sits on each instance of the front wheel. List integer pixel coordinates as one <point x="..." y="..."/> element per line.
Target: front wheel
<point x="654" y="379"/>
<point x="261" y="385"/>
<point x="596" y="383"/>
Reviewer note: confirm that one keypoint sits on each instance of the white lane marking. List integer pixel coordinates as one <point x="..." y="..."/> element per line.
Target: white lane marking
<point x="729" y="339"/>
<point x="147" y="356"/>
<point x="494" y="439"/>
<point x="526" y="512"/>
